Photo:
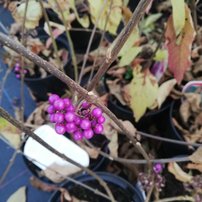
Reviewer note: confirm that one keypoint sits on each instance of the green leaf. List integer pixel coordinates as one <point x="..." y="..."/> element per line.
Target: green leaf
<point x="178" y="15"/>
<point x="161" y="55"/>
<point x="9" y="132"/>
<point x="142" y="91"/>
<point x="18" y="196"/>
<point x="114" y="18"/>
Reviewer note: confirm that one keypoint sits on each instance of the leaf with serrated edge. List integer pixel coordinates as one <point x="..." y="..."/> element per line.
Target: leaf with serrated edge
<point x="196" y="157"/>
<point x="178" y="15"/>
<point x="18" y="196"/>
<point x="179" y="174"/>
<point x="142" y="91"/>
<point x="179" y="53"/>
<point x="164" y="91"/>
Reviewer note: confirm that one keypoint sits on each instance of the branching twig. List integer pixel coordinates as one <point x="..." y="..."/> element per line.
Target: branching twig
<point x="28" y="132"/>
<point x="119" y="42"/>
<point x="177" y="198"/>
<point x="69" y="82"/>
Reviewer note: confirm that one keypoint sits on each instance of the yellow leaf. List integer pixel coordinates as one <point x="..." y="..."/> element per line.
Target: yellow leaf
<point x="9" y="132"/>
<point x="33" y="15"/>
<point x="161" y="55"/>
<point x="142" y="91"/>
<point x="179" y="174"/>
<point x="18" y="196"/>
<point x="178" y="15"/>
<point x="115" y="14"/>
<point x="164" y="91"/>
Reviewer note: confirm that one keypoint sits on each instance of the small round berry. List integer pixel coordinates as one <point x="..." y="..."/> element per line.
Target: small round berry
<point x="101" y="119"/>
<point x="98" y="129"/>
<point x="78" y="135"/>
<point x="85" y="124"/>
<point x="77" y="120"/>
<point x="157" y="168"/>
<point x="67" y="102"/>
<point x="17" y="76"/>
<point x="88" y="133"/>
<point x="52" y="118"/>
<point x="70" y="127"/>
<point x="97" y="112"/>
<point x="85" y="105"/>
<point x="25" y="71"/>
<point x="17" y="69"/>
<point x="59" y="104"/>
<point x="51" y="109"/>
<point x="52" y="98"/>
<point x="60" y="129"/>
<point x="71" y="108"/>
<point x="59" y="118"/>
<point x="93" y="123"/>
<point x="69" y="116"/>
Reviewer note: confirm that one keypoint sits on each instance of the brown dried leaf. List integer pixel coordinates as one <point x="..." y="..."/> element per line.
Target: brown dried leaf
<point x="194" y="166"/>
<point x="196" y="157"/>
<point x="185" y="111"/>
<point x="93" y="153"/>
<point x="179" y="174"/>
<point x="65" y="194"/>
<point x="195" y="100"/>
<point x="112" y="135"/>
<point x="194" y="137"/>
<point x="38" y="184"/>
<point x="116" y="90"/>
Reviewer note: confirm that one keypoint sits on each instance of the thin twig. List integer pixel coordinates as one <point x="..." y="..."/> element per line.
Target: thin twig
<point x="118" y="43"/>
<point x="91" y="40"/>
<point x="51" y="33"/>
<point x="73" y="55"/>
<point x="150" y="191"/>
<point x="5" y="40"/>
<point x="28" y="132"/>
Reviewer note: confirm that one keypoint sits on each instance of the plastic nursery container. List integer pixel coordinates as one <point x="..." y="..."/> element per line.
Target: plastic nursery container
<point x="122" y="190"/>
<point x="38" y="158"/>
<point x="171" y="132"/>
<point x="40" y="87"/>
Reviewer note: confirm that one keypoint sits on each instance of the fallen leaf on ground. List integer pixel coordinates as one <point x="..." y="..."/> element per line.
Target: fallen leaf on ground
<point x="179" y="174"/>
<point x="18" y="196"/>
<point x="194" y="166"/>
<point x="196" y="157"/>
<point x="179" y="46"/>
<point x="10" y="132"/>
<point x="164" y="91"/>
<point x="142" y="91"/>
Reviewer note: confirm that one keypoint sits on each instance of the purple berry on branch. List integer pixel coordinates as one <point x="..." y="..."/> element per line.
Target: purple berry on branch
<point x="98" y="129"/>
<point x="59" y="104"/>
<point x="101" y="119"/>
<point x="97" y="112"/>
<point x="78" y="135"/>
<point x="52" y="98"/>
<point x="60" y="129"/>
<point x="67" y="102"/>
<point x="88" y="133"/>
<point x="59" y="117"/>
<point x="70" y="116"/>
<point x="51" y="109"/>
<point x="85" y="124"/>
<point x="71" y="127"/>
<point x="158" y="168"/>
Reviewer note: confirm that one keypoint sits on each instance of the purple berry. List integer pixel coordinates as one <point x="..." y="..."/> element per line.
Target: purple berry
<point x="78" y="135"/>
<point x="97" y="112"/>
<point x="17" y="69"/>
<point x="60" y="129"/>
<point x="98" y="129"/>
<point x="69" y="116"/>
<point x="67" y="102"/>
<point x="52" y="118"/>
<point x="85" y="124"/>
<point x="70" y="127"/>
<point x="17" y="64"/>
<point x="59" y="118"/>
<point x="59" y="104"/>
<point x="77" y="120"/>
<point x="51" y="109"/>
<point x="52" y="98"/>
<point x="88" y="133"/>
<point x="17" y="76"/>
<point x="101" y="119"/>
<point x="25" y="71"/>
<point x="71" y="108"/>
<point x="85" y="105"/>
<point x="157" y="168"/>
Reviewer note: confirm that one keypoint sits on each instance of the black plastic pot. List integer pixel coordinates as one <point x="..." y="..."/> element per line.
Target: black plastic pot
<point x="121" y="189"/>
<point x="170" y="131"/>
<point x="40" y="87"/>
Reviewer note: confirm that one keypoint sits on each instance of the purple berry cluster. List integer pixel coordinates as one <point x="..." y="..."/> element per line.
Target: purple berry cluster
<point x="83" y="123"/>
<point x="147" y="180"/>
<point x="18" y="70"/>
